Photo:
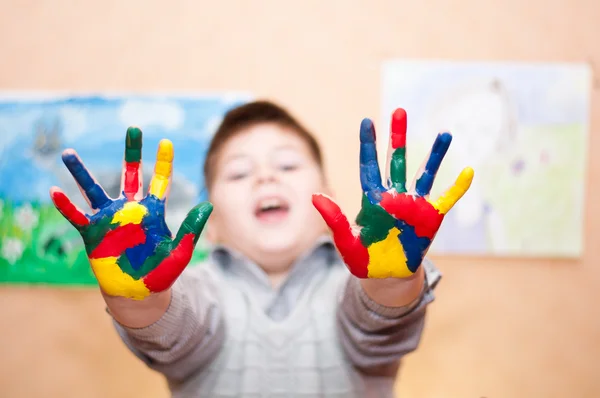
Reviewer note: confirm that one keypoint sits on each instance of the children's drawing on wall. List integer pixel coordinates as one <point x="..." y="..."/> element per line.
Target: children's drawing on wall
<point x="37" y="244"/>
<point x="523" y="128"/>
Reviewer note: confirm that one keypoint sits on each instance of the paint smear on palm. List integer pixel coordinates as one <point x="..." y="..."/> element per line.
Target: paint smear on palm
<point x="394" y="248"/>
<point x="129" y="233"/>
<point x="127" y="244"/>
<point x="138" y="258"/>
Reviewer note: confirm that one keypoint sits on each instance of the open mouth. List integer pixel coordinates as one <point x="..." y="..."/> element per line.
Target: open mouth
<point x="271" y="210"/>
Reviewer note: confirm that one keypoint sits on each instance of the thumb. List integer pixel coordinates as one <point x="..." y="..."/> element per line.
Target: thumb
<point x="194" y="222"/>
<point x="354" y="253"/>
<point x="332" y="214"/>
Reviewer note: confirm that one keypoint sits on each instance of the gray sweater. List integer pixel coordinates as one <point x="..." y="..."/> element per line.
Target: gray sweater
<point x="228" y="333"/>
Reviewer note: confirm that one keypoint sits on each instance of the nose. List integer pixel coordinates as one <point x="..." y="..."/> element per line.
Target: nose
<point x="266" y="174"/>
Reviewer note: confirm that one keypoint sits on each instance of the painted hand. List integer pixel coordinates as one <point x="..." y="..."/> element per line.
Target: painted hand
<point x="395" y="227"/>
<point x="129" y="245"/>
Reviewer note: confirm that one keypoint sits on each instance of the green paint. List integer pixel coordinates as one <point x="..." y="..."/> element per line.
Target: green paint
<point x="375" y="221"/>
<point x="161" y="252"/>
<point x="93" y="234"/>
<point x="398" y="170"/>
<point x="133" y="145"/>
<point x="194" y="221"/>
<point x="125" y="265"/>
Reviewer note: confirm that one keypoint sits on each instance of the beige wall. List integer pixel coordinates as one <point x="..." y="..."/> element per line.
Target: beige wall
<point x="500" y="328"/>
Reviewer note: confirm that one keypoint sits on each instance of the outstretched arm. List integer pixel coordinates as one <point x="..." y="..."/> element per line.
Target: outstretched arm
<point x="382" y="310"/>
<point x="187" y="336"/>
<point x="136" y="260"/>
<point x="374" y="336"/>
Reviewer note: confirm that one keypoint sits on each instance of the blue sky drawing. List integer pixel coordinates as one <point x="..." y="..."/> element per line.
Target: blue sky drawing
<point x="95" y="126"/>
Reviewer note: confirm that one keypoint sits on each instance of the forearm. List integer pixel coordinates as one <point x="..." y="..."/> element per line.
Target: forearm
<point x="187" y="335"/>
<point x="377" y="334"/>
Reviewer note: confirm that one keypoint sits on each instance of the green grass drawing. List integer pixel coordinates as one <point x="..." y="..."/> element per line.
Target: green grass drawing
<point x="38" y="246"/>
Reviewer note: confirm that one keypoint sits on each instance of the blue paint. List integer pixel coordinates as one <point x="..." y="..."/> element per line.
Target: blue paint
<point x="108" y="210"/>
<point x="414" y="246"/>
<point x="156" y="229"/>
<point x="438" y="151"/>
<point x="370" y="175"/>
<point x="94" y="192"/>
<point x="137" y="255"/>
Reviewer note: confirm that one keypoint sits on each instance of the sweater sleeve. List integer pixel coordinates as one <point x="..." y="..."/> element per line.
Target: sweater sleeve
<point x="375" y="337"/>
<point x="188" y="336"/>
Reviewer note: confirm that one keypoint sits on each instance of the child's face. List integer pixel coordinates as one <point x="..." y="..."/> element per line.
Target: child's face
<point x="261" y="192"/>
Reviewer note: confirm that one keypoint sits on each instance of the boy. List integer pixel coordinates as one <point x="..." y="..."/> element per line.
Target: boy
<point x="274" y="311"/>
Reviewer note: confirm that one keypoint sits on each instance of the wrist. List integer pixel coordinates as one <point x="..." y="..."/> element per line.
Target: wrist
<point x="138" y="313"/>
<point x="395" y="292"/>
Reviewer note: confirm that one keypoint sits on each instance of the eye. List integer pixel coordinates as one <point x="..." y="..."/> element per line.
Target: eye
<point x="287" y="160"/>
<point x="288" y="167"/>
<point x="236" y="176"/>
<point x="237" y="169"/>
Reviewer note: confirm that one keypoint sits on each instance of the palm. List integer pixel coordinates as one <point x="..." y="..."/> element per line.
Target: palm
<point x="395" y="227"/>
<point x="129" y="245"/>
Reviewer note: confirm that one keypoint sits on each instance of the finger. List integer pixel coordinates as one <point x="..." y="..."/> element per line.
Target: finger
<point x="397" y="159"/>
<point x="447" y="200"/>
<point x="91" y="190"/>
<point x="66" y="207"/>
<point x="194" y="222"/>
<point x="163" y="276"/>
<point x="355" y="255"/>
<point x="132" y="178"/>
<point x="370" y="175"/>
<point x="438" y="151"/>
<point x="162" y="169"/>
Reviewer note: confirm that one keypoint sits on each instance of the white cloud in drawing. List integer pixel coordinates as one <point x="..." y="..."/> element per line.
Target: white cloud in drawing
<point x="167" y="115"/>
<point x="73" y="122"/>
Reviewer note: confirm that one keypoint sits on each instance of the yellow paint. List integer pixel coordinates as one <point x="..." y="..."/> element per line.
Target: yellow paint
<point x="387" y="258"/>
<point x="453" y="195"/>
<point x="162" y="169"/>
<point x="131" y="213"/>
<point x="115" y="282"/>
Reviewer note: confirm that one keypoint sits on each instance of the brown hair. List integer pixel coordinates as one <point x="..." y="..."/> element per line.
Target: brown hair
<point x="248" y="115"/>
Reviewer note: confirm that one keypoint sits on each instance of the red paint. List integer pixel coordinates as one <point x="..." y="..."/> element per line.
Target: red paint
<point x="116" y="241"/>
<point x="163" y="276"/>
<point x="355" y="255"/>
<point x="132" y="179"/>
<point x="415" y="211"/>
<point x="399" y="123"/>
<point x="68" y="209"/>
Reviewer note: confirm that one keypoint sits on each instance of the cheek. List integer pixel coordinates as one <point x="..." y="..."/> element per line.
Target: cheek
<point x="230" y="200"/>
<point x="305" y="185"/>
